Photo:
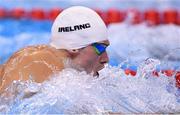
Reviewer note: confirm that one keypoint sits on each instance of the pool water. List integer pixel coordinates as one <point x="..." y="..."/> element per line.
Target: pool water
<point x="138" y="47"/>
<point x="16" y="34"/>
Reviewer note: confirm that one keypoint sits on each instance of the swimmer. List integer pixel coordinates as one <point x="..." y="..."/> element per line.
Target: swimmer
<point x="78" y="40"/>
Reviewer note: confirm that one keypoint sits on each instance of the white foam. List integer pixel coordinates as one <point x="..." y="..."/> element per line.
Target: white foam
<point x="139" y="42"/>
<point x="71" y="92"/>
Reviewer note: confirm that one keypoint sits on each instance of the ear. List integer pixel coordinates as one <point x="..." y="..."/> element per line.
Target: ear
<point x="74" y="52"/>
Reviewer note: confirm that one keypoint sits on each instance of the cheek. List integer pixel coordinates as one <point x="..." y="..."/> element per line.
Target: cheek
<point x="91" y="59"/>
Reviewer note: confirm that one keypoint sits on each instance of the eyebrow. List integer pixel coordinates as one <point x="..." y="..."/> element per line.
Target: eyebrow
<point x="106" y="44"/>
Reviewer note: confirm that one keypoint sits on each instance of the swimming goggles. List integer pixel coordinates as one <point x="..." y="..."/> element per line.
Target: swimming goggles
<point x="99" y="48"/>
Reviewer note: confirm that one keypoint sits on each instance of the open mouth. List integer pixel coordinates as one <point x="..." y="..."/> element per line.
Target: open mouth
<point x="96" y="74"/>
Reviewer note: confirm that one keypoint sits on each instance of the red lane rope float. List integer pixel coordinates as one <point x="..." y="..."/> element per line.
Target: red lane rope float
<point x="178" y="79"/>
<point x="152" y="17"/>
<point x="178" y="18"/>
<point x="170" y="16"/>
<point x="2" y="13"/>
<point x="115" y="16"/>
<point x="102" y="14"/>
<point x="37" y="14"/>
<point x="130" y="72"/>
<point x="134" y="15"/>
<point x="18" y="13"/>
<point x="53" y="13"/>
<point x="168" y="73"/>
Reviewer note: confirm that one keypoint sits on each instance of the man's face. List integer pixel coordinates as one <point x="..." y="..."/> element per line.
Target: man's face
<point x="90" y="60"/>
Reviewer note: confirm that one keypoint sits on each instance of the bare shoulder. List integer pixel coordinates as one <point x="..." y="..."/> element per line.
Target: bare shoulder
<point x="28" y="51"/>
<point x="32" y="53"/>
<point x="37" y="61"/>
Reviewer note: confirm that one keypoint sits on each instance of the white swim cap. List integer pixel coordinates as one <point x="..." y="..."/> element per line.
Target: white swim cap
<point x="77" y="27"/>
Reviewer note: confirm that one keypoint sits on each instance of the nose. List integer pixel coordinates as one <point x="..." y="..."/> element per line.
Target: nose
<point x="104" y="58"/>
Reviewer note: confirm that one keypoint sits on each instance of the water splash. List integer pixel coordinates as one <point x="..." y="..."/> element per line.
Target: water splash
<point x="70" y="92"/>
<point x="146" y="68"/>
